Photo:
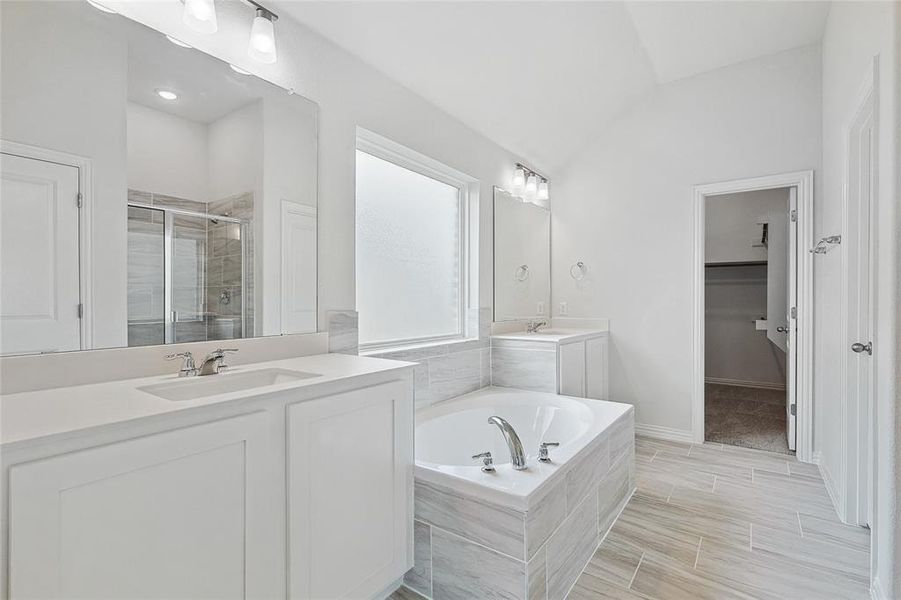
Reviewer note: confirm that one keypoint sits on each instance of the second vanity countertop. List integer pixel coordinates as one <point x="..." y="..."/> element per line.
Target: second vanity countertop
<point x="38" y="415"/>
<point x="554" y="335"/>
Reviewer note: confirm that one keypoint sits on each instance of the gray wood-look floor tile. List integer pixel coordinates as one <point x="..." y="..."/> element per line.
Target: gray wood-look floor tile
<point x="765" y="529"/>
<point x="405" y="593"/>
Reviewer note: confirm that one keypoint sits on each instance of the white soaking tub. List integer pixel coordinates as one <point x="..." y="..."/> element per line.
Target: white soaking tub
<point x="516" y="534"/>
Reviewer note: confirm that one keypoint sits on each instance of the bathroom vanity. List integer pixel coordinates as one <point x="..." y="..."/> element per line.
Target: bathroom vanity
<point x="290" y="478"/>
<point x="572" y="362"/>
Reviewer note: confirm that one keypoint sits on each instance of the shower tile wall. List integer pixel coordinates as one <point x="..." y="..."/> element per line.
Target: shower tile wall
<point x="206" y="278"/>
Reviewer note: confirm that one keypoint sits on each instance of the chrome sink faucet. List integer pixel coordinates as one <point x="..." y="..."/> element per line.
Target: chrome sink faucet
<point x="188" y="369"/>
<point x="212" y="364"/>
<point x="517" y="456"/>
<point x="534" y="326"/>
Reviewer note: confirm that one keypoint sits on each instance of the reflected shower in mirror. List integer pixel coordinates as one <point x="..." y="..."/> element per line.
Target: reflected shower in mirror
<point x="522" y="258"/>
<point x="151" y="194"/>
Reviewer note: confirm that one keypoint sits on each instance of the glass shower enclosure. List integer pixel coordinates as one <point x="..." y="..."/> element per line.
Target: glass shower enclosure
<point x="187" y="276"/>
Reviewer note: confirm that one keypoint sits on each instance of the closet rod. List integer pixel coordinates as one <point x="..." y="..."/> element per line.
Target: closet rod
<point x="758" y="263"/>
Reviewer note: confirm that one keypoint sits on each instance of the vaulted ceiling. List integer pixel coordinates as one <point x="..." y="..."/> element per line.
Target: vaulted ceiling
<point x="544" y="78"/>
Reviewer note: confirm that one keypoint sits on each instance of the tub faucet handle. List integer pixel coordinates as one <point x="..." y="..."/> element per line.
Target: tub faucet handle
<point x="487" y="461"/>
<point x="543" y="455"/>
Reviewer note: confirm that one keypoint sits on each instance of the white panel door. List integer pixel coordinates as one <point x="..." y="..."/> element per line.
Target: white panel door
<point x="299" y="281"/>
<point x="179" y="514"/>
<point x="777" y="275"/>
<point x="350" y="492"/>
<point x="596" y="371"/>
<point x="572" y="369"/>
<point x="791" y="327"/>
<point x="39" y="261"/>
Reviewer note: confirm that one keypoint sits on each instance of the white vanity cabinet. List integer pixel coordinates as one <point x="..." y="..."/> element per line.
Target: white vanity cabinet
<point x="568" y="362"/>
<point x="349" y="475"/>
<point x="182" y="513"/>
<point x="305" y="493"/>
<point x="582" y="368"/>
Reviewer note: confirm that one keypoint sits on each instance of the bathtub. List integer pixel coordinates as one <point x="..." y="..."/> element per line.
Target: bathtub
<point x="450" y="433"/>
<point x="516" y="534"/>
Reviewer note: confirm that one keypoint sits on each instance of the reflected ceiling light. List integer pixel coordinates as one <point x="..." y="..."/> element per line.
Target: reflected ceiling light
<point x="519" y="180"/>
<point x="238" y="70"/>
<point x="167" y="95"/>
<point x="99" y="6"/>
<point x="178" y="42"/>
<point x="543" y="193"/>
<point x="262" y="36"/>
<point x="200" y="15"/>
<point x="532" y="185"/>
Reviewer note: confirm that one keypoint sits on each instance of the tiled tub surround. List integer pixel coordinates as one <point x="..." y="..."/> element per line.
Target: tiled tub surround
<point x="444" y="371"/>
<point x="516" y="534"/>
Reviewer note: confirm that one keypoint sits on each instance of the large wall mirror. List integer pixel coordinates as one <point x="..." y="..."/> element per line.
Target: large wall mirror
<point x="522" y="258"/>
<point x="150" y="194"/>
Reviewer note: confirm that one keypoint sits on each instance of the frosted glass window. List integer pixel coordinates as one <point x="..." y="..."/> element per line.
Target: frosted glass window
<point x="409" y="254"/>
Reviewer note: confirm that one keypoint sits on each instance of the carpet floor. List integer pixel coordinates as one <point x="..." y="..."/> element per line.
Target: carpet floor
<point x="746" y="417"/>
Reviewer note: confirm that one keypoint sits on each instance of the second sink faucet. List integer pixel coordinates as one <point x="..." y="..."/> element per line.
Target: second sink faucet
<point x="534" y="326"/>
<point x="517" y="456"/>
<point x="212" y="364"/>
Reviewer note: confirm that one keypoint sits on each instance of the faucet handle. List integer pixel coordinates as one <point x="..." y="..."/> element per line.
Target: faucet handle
<point x="543" y="454"/>
<point x="187" y="366"/>
<point x="487" y="461"/>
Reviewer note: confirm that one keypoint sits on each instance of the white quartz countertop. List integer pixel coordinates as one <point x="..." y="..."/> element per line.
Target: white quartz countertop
<point x="555" y="335"/>
<point x="31" y="416"/>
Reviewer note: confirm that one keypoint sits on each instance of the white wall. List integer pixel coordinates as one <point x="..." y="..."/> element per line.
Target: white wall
<point x="42" y="104"/>
<point x="624" y="207"/>
<point x="855" y="33"/>
<point x="733" y="233"/>
<point x="167" y="154"/>
<point x="350" y="94"/>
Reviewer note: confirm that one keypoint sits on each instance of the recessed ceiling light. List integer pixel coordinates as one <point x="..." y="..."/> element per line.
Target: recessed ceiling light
<point x="99" y="6"/>
<point x="178" y="42"/>
<point x="238" y="70"/>
<point x="167" y="95"/>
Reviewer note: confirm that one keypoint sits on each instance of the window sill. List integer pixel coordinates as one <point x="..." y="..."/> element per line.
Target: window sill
<point x="453" y="345"/>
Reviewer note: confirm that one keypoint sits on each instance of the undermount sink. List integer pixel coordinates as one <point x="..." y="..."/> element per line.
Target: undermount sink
<point x="212" y="385"/>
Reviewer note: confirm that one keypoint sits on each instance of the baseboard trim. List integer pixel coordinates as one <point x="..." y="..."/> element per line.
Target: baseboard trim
<point x="831" y="487"/>
<point x="664" y="433"/>
<point x="743" y="383"/>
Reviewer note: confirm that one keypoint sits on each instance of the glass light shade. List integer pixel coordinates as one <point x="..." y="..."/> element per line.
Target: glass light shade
<point x="543" y="193"/>
<point x="200" y="15"/>
<point x="519" y="181"/>
<point x="531" y="185"/>
<point x="177" y="42"/>
<point x="262" y="38"/>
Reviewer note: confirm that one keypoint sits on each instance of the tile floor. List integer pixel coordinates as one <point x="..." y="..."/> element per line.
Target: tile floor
<point x="747" y="417"/>
<point x="714" y="522"/>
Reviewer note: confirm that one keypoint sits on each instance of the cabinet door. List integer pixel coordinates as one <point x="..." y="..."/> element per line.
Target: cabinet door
<point x="596" y="379"/>
<point x="350" y="492"/>
<point x="572" y="369"/>
<point x="179" y="514"/>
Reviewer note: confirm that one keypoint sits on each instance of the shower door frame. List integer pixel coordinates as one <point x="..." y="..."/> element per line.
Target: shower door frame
<point x="169" y="317"/>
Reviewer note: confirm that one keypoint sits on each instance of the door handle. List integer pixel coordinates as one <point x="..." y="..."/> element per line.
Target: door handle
<point x="860" y="348"/>
<point x="782" y="329"/>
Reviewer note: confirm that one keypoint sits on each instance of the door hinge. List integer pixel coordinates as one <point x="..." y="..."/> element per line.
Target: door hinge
<point x="79" y="199"/>
<point x="80" y="311"/>
<point x="794" y="410"/>
<point x="794" y="312"/>
<point x="793" y="215"/>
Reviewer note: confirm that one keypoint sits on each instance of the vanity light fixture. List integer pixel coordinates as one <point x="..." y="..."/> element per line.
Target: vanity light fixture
<point x="178" y="42"/>
<point x="262" y="36"/>
<point x="101" y="7"/>
<point x="519" y="181"/>
<point x="238" y="70"/>
<point x="167" y="95"/>
<point x="200" y="15"/>
<point x="529" y="185"/>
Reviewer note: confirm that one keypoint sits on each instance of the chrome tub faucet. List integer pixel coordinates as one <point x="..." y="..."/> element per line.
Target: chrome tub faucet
<point x="517" y="456"/>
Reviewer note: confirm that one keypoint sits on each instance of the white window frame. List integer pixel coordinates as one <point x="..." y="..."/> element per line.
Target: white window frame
<point x="468" y="194"/>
